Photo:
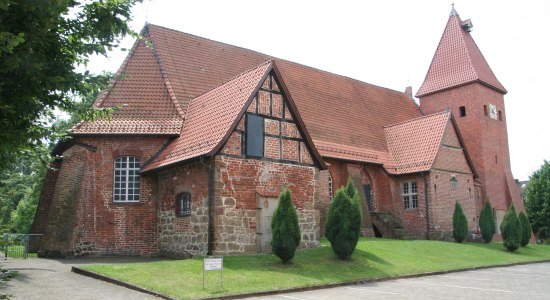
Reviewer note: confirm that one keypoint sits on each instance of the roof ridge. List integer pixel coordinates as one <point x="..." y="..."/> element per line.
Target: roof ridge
<point x="164" y="75"/>
<point x="416" y="119"/>
<point x="277" y="58"/>
<point x="232" y="78"/>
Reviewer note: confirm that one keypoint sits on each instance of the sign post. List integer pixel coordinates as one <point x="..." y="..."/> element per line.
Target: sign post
<point x="213" y="264"/>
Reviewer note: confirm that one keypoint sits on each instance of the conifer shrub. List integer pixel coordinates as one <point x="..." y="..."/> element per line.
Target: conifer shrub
<point x="487" y="222"/>
<point x="285" y="228"/>
<point x="525" y="229"/>
<point x="460" y="224"/>
<point x="344" y="223"/>
<point x="510" y="229"/>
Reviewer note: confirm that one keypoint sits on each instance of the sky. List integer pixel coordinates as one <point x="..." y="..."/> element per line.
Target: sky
<point x="387" y="43"/>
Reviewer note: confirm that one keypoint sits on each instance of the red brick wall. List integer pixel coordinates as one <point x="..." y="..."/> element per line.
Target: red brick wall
<point x="485" y="137"/>
<point x="240" y="180"/>
<point x="186" y="235"/>
<point x="46" y="196"/>
<point x="102" y="226"/>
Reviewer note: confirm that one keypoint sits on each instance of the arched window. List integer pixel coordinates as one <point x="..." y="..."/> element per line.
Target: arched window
<point x="330" y="187"/>
<point x="126" y="183"/>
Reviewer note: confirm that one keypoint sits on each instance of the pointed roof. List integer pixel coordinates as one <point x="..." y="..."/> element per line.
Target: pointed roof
<point x="210" y="117"/>
<point x="143" y="94"/>
<point x="213" y="116"/>
<point x="413" y="145"/>
<point x="358" y="110"/>
<point x="457" y="61"/>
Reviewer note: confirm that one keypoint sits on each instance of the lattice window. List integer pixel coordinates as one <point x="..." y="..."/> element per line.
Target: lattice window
<point x="255" y="136"/>
<point x="410" y="194"/>
<point x="183" y="204"/>
<point x="127" y="179"/>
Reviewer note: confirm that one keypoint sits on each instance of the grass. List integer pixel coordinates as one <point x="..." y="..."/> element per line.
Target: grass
<point x="373" y="258"/>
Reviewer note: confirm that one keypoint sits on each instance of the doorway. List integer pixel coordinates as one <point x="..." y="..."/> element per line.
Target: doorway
<point x="265" y="209"/>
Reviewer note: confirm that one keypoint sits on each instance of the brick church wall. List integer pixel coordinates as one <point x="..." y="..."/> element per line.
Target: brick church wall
<point x="84" y="189"/>
<point x="240" y="180"/>
<point x="451" y="180"/>
<point x="46" y="197"/>
<point x="183" y="236"/>
<point x="486" y="139"/>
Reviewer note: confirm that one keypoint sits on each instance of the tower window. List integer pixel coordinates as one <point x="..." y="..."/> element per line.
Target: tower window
<point x="500" y="115"/>
<point x="496" y="159"/>
<point x="485" y="111"/>
<point x="462" y="111"/>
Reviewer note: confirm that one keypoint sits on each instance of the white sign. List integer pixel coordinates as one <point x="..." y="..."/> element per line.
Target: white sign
<point x="213" y="264"/>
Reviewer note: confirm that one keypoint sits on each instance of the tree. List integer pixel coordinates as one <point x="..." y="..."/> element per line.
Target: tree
<point x="343" y="224"/>
<point x="285" y="228"/>
<point x="511" y="229"/>
<point x="537" y="201"/>
<point x="460" y="224"/>
<point x="41" y="45"/>
<point x="487" y="222"/>
<point x="525" y="229"/>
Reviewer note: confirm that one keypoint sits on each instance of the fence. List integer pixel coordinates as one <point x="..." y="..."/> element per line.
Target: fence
<point x="17" y="245"/>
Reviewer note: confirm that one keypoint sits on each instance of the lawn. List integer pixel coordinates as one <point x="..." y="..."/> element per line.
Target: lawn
<point x="373" y="258"/>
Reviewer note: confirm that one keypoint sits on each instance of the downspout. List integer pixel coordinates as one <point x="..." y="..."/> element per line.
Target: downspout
<point x="427" y="208"/>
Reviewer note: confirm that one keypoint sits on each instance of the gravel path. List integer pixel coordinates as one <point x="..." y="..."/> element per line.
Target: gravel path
<point x="52" y="279"/>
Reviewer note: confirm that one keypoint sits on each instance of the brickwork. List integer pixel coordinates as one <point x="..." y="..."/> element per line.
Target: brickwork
<point x="239" y="183"/>
<point x="83" y="202"/>
<point x="183" y="236"/>
<point x="46" y="197"/>
<point x="486" y="138"/>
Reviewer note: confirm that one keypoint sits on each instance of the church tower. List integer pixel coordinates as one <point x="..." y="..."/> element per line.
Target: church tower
<point x="460" y="80"/>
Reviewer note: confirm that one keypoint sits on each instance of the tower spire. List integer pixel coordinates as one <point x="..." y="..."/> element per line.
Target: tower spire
<point x="453" y="11"/>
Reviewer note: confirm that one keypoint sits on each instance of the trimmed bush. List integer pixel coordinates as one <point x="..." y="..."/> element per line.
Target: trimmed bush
<point x="525" y="229"/>
<point x="510" y="229"/>
<point x="460" y="224"/>
<point x="353" y="194"/>
<point x="343" y="224"/>
<point x="285" y="228"/>
<point x="487" y="222"/>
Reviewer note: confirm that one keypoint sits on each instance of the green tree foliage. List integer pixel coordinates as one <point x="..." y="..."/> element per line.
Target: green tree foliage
<point x="344" y="222"/>
<point x="537" y="201"/>
<point x="510" y="229"/>
<point x="525" y="229"/>
<point x="285" y="228"/>
<point x="487" y="222"/>
<point x="41" y="45"/>
<point x="460" y="224"/>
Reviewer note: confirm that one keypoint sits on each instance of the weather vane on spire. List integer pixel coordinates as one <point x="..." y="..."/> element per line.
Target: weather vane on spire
<point x="453" y="11"/>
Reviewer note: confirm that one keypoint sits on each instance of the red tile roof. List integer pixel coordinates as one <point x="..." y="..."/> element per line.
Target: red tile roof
<point x="457" y="61"/>
<point x="334" y="108"/>
<point x="209" y="118"/>
<point x="143" y="95"/>
<point x="414" y="144"/>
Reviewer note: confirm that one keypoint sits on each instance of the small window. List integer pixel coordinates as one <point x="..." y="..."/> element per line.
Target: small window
<point x="496" y="159"/>
<point x="500" y="115"/>
<point x="254" y="136"/>
<point x="462" y="111"/>
<point x="330" y="187"/>
<point x="127" y="179"/>
<point x="410" y="195"/>
<point x="485" y="111"/>
<point x="454" y="182"/>
<point x="183" y="204"/>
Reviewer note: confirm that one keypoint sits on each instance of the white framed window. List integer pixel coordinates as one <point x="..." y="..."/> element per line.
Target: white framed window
<point x="409" y="192"/>
<point x="127" y="179"/>
<point x="330" y="188"/>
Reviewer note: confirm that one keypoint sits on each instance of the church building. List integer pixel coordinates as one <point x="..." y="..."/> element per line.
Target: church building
<point x="207" y="135"/>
